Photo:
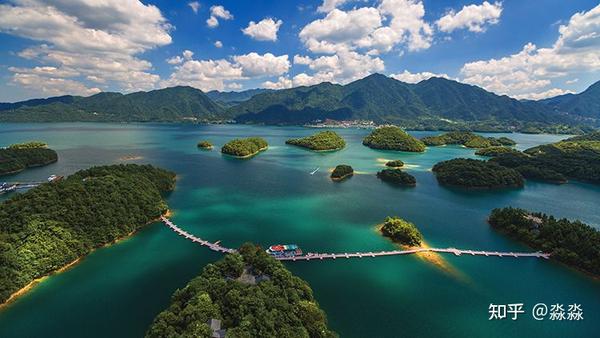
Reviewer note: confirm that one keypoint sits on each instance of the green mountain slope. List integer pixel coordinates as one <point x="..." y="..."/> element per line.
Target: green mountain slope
<point x="169" y="104"/>
<point x="228" y="99"/>
<point x="585" y="104"/>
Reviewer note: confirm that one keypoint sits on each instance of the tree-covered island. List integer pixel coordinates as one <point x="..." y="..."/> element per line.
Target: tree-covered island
<point x="467" y="139"/>
<point x="205" y="145"/>
<point x="401" y="231"/>
<point x="322" y="141"/>
<point x="245" y="294"/>
<point x="341" y="172"/>
<point x="469" y="173"/>
<point x="393" y="138"/>
<point x="54" y="224"/>
<point x="394" y="164"/>
<point x="494" y="151"/>
<point x="571" y="242"/>
<point x="397" y="177"/>
<point x="245" y="147"/>
<point x="18" y="157"/>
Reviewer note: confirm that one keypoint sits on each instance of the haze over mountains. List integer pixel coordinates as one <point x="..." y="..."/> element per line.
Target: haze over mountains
<point x="435" y="102"/>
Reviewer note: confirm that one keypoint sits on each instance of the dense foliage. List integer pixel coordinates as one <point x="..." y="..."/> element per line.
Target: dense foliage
<point x="393" y="138"/>
<point x="50" y="226"/>
<point x="476" y="174"/>
<point x="574" y="243"/>
<point x="585" y="104"/>
<point x="244" y="147"/>
<point x="18" y="157"/>
<point x="205" y="145"/>
<point x="341" y="171"/>
<point x="278" y="305"/>
<point x="401" y="231"/>
<point x="495" y="151"/>
<point x="468" y="139"/>
<point x="394" y="163"/>
<point x="325" y="140"/>
<point x="397" y="176"/>
<point x="577" y="157"/>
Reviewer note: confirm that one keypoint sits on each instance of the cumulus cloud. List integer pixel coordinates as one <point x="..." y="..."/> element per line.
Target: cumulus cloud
<point x="195" y="6"/>
<point x="221" y="74"/>
<point x="409" y="77"/>
<point x="329" y="5"/>
<point x="530" y="72"/>
<point x="96" y="40"/>
<point x="264" y="30"/>
<point x="52" y="86"/>
<point x="473" y="17"/>
<point x="218" y="12"/>
<point x="218" y="44"/>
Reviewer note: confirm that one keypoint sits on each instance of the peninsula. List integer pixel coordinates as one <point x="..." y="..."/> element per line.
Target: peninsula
<point x="55" y="224"/>
<point x="322" y="141"/>
<point x="469" y="173"/>
<point x="245" y="147"/>
<point x="245" y="294"/>
<point x="18" y="157"/>
<point x="571" y="242"/>
<point x="393" y="138"/>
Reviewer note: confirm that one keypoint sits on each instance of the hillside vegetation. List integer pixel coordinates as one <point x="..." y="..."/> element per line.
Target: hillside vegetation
<point x="251" y="293"/>
<point x="401" y="231"/>
<point x="245" y="147"/>
<point x="325" y="140"/>
<point x="393" y="138"/>
<point x="469" y="173"/>
<point x="52" y="225"/>
<point x="18" y="157"/>
<point x="468" y="139"/>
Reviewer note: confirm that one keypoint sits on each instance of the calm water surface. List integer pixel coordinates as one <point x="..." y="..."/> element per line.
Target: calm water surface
<point x="272" y="198"/>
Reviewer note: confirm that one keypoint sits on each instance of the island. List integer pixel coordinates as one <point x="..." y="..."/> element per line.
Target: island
<point x="245" y="147"/>
<point x="495" y="151"/>
<point x="205" y="145"/>
<point x="18" y="157"/>
<point x="401" y="231"/>
<point x="467" y="139"/>
<point x="394" y="164"/>
<point x="576" y="157"/>
<point x="393" y="138"/>
<point x="397" y="177"/>
<point x="322" y="141"/>
<point x="469" y="173"/>
<point x="341" y="172"/>
<point x="571" y="242"/>
<point x="245" y="294"/>
<point x="53" y="225"/>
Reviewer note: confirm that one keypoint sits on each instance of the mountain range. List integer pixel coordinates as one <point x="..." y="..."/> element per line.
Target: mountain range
<point x="434" y="103"/>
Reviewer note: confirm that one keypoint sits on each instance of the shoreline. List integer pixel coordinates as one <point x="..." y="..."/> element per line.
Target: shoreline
<point x="31" y="285"/>
<point x="341" y="178"/>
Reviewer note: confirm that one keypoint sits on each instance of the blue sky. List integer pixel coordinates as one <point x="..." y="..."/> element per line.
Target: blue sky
<point x="526" y="49"/>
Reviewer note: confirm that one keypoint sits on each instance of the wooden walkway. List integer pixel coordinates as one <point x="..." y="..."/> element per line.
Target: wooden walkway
<point x="216" y="246"/>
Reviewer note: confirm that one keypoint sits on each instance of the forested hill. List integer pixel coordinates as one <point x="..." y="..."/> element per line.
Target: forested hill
<point x="232" y="98"/>
<point x="52" y="225"/>
<point x="163" y="105"/>
<point x="386" y="100"/>
<point x="585" y="104"/>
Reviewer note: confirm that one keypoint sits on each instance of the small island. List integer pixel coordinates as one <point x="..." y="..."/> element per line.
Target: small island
<point x="246" y="147"/>
<point x="394" y="164"/>
<point x="18" y="157"/>
<point x="397" y="177"/>
<point x="393" y="138"/>
<point x="495" y="151"/>
<point x="55" y="224"/>
<point x="467" y="139"/>
<point x="245" y="294"/>
<point x="401" y="231"/>
<point x="205" y="145"/>
<point x="341" y="172"/>
<point x="322" y="141"/>
<point x="469" y="173"/>
<point x="571" y="242"/>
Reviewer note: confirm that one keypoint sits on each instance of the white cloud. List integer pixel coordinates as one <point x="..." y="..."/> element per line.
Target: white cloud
<point x="281" y="83"/>
<point x="530" y="73"/>
<point x="187" y="54"/>
<point x="52" y="86"/>
<point x="473" y="17"/>
<point x="544" y="95"/>
<point x="175" y="60"/>
<point x="195" y="6"/>
<point x="216" y="13"/>
<point x="409" y="77"/>
<point x="256" y="65"/>
<point x="218" y="44"/>
<point x="264" y="30"/>
<point x="98" y="40"/>
<point x="571" y="81"/>
<point x="329" y="5"/>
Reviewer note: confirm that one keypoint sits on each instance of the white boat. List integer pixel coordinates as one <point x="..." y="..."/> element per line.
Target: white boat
<point x="314" y="171"/>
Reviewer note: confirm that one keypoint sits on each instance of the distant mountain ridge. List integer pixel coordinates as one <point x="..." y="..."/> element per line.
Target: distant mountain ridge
<point x="232" y="98"/>
<point x="585" y="104"/>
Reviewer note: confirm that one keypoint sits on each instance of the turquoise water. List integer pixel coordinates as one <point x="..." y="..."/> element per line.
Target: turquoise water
<point x="272" y="198"/>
